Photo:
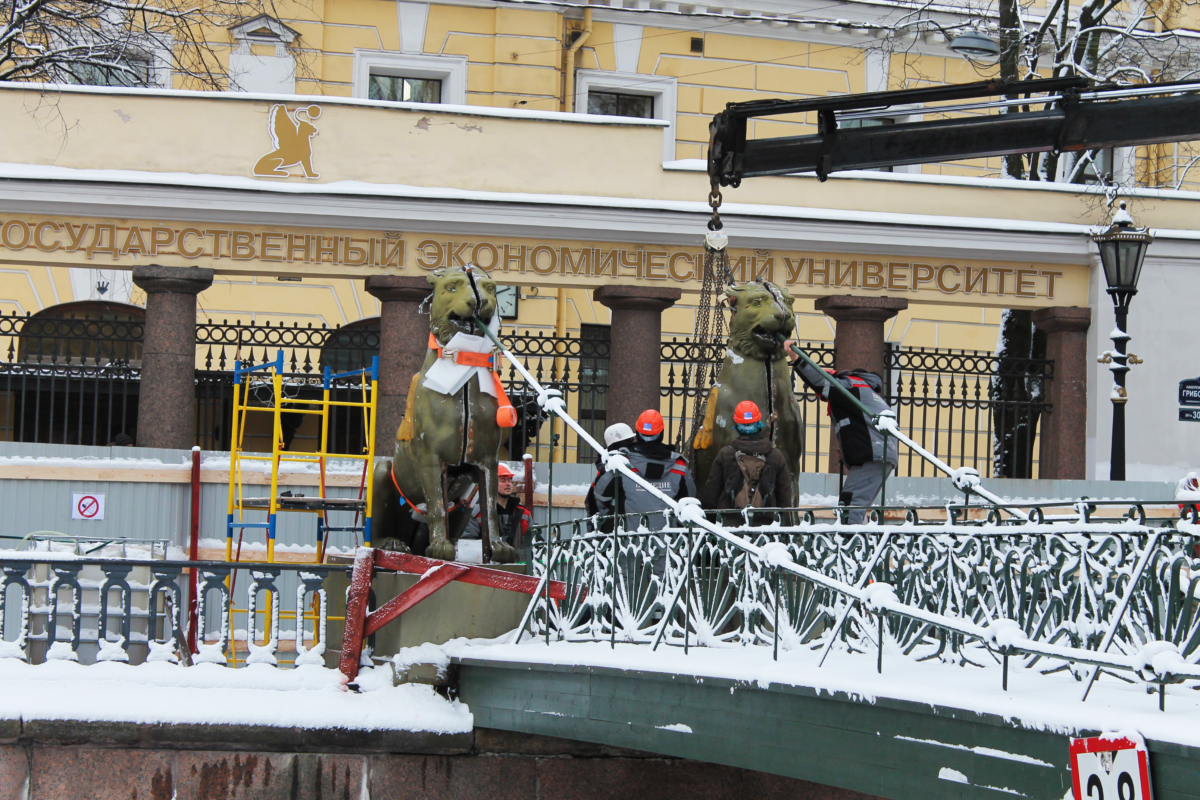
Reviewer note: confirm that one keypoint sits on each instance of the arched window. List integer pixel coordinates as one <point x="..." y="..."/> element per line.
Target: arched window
<point x="351" y="346"/>
<point x="84" y="332"/>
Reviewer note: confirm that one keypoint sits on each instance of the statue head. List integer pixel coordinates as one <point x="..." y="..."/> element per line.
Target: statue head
<point x="761" y="311"/>
<point x="459" y="295"/>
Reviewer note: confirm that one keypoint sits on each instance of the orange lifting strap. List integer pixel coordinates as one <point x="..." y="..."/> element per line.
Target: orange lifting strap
<point x="506" y="415"/>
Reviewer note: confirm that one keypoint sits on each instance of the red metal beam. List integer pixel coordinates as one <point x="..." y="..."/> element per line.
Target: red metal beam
<point x="414" y="594"/>
<point x="434" y="575"/>
<point x="479" y="576"/>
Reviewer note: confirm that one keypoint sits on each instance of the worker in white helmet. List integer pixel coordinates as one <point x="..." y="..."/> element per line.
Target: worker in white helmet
<point x="616" y="436"/>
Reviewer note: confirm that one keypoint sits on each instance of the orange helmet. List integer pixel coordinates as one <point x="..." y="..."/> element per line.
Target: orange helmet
<point x="746" y="413"/>
<point x="504" y="472"/>
<point x="649" y="423"/>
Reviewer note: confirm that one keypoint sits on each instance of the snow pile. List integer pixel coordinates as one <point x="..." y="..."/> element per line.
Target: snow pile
<point x="90" y="461"/>
<point x="310" y="697"/>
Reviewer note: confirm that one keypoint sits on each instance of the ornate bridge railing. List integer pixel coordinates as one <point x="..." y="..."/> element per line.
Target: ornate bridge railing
<point x="86" y="609"/>
<point x="1066" y="591"/>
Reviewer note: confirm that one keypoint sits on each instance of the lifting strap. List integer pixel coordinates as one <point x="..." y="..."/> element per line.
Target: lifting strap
<point x="506" y="415"/>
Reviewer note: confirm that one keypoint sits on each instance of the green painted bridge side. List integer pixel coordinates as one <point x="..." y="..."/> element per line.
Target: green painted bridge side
<point x="890" y="748"/>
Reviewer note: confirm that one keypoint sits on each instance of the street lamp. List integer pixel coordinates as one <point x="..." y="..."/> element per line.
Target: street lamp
<point x="1122" y="251"/>
<point x="976" y="45"/>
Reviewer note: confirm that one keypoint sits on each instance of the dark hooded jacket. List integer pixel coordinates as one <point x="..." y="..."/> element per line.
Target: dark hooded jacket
<point x="726" y="479"/>
<point x="859" y="440"/>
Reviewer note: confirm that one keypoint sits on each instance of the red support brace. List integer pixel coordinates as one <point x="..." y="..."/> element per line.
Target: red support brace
<point x="434" y="575"/>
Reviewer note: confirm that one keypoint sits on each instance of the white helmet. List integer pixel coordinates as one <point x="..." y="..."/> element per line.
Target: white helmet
<point x="617" y="433"/>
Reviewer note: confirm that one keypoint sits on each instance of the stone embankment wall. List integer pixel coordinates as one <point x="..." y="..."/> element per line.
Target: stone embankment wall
<point x="119" y="762"/>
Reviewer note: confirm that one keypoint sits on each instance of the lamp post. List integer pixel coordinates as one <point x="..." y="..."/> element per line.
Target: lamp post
<point x="1122" y="251"/>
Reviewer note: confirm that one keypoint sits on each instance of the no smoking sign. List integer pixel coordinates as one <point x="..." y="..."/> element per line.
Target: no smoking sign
<point x="87" y="506"/>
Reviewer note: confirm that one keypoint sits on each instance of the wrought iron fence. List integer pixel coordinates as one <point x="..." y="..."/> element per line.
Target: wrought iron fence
<point x="962" y="407"/>
<point x="91" y="609"/>
<point x="67" y="380"/>
<point x="307" y="351"/>
<point x="1060" y="591"/>
<point x="575" y="366"/>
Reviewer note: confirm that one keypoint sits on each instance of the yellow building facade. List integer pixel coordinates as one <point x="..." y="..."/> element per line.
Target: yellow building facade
<point x="303" y="181"/>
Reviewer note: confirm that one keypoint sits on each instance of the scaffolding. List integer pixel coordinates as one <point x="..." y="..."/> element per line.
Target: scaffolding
<point x="270" y="374"/>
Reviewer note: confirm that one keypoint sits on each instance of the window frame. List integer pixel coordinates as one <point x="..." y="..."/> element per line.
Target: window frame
<point x="663" y="90"/>
<point x="450" y="70"/>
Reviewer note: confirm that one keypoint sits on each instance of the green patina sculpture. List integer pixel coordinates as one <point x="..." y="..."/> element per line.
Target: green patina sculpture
<point x="754" y="369"/>
<point x="449" y="440"/>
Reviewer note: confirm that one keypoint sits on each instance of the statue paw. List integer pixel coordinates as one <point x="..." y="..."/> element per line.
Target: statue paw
<point x="502" y="552"/>
<point x="440" y="548"/>
<point x="394" y="545"/>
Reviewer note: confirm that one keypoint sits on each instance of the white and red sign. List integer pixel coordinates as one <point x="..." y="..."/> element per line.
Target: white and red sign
<point x="1112" y="767"/>
<point x="87" y="506"/>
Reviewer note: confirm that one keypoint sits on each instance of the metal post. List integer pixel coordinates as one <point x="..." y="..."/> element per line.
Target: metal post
<point x="612" y="602"/>
<point x="1119" y="368"/>
<point x="776" y="624"/>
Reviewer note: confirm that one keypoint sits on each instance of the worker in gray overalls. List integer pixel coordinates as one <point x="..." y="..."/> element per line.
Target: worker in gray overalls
<point x="861" y="443"/>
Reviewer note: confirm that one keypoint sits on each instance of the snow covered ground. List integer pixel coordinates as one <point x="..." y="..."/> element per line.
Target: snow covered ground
<point x="306" y="697"/>
<point x="1033" y="700"/>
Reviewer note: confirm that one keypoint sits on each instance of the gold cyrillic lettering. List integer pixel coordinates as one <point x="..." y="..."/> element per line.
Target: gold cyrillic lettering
<point x="1025" y="287"/>
<point x="635" y="265"/>
<point x="605" y="261"/>
<point x="331" y="250"/>
<point x="1000" y="272"/>
<point x="485" y="247"/>
<point x="922" y="273"/>
<point x="6" y="237"/>
<point x="1050" y="276"/>
<point x="354" y="255"/>
<point x="979" y="280"/>
<point x="675" y="259"/>
<point x="764" y="270"/>
<point x="739" y="268"/>
<point x="242" y="245"/>
<point x="160" y="239"/>
<point x="183" y="248"/>
<point x="132" y="246"/>
<point x="580" y="266"/>
<point x="850" y="272"/>
<point x="872" y="275"/>
<point x="794" y="270"/>
<point x="537" y="266"/>
<point x="895" y="278"/>
<point x="76" y="238"/>
<point x="454" y="254"/>
<point x="298" y="243"/>
<point x="393" y="257"/>
<point x="941" y="278"/>
<point x="217" y="236"/>
<point x="510" y="259"/>
<point x="656" y="259"/>
<point x="814" y="271"/>
<point x="97" y="247"/>
<point x="37" y="236"/>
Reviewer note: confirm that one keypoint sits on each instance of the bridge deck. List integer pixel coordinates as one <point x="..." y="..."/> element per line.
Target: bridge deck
<point x="889" y="747"/>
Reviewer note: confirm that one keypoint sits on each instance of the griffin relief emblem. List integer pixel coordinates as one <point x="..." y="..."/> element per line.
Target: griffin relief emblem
<point x="292" y="136"/>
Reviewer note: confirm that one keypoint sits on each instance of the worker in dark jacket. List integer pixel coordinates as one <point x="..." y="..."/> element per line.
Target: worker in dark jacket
<point x="655" y="461"/>
<point x="861" y="443"/>
<point x="751" y="471"/>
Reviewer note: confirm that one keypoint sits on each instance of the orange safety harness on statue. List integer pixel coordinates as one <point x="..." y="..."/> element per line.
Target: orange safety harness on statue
<point x="506" y="415"/>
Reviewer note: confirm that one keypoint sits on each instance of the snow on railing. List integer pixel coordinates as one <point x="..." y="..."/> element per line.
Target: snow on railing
<point x="734" y="561"/>
<point x="1061" y="595"/>
<point x="88" y="609"/>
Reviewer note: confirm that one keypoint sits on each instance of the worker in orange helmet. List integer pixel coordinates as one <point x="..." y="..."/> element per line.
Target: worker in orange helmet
<point x="751" y="471"/>
<point x="512" y="517"/>
<point x="655" y="461"/>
